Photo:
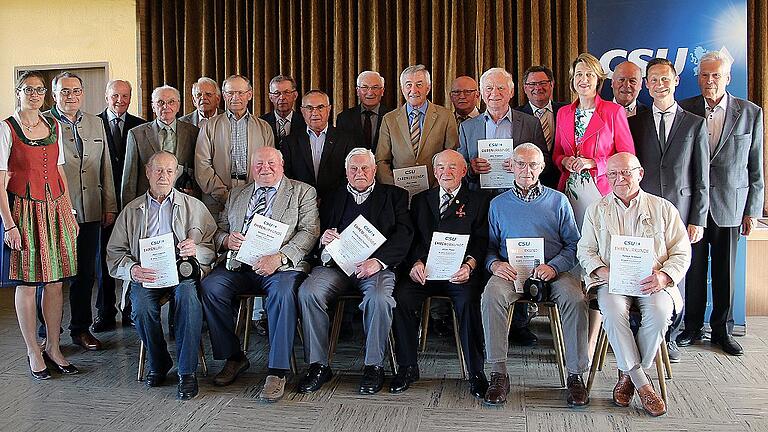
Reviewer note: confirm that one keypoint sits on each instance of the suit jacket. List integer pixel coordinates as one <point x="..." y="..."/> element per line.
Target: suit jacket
<point x="89" y="179"/>
<point x="389" y="214"/>
<point x="144" y="141"/>
<point x="394" y="148"/>
<point x="526" y="108"/>
<point x="213" y="159"/>
<point x="736" y="164"/>
<point x="297" y="154"/>
<point x="294" y="205"/>
<point x="525" y="128"/>
<point x="298" y="125"/>
<point x="350" y="120"/>
<point x="641" y="108"/>
<point x="607" y="134"/>
<point x="194" y="117"/>
<point x="467" y="214"/>
<point x="678" y="172"/>
<point x="117" y="155"/>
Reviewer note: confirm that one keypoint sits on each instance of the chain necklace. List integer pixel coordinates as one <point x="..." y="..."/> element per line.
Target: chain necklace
<point x="30" y="127"/>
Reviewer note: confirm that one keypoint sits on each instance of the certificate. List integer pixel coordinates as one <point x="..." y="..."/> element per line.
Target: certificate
<point x="631" y="261"/>
<point x="524" y="255"/>
<point x="159" y="254"/>
<point x="355" y="244"/>
<point x="496" y="151"/>
<point x="264" y="237"/>
<point x="446" y="254"/>
<point x="412" y="179"/>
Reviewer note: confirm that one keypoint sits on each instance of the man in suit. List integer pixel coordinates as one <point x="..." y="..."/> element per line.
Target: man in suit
<point x="277" y="198"/>
<point x="284" y="119"/>
<point x="464" y="98"/>
<point x="165" y="133"/>
<point x="626" y="83"/>
<point x="89" y="178"/>
<point x="386" y="208"/>
<point x="671" y="145"/>
<point x="225" y="146"/>
<point x="538" y="82"/>
<point x="206" y="97"/>
<point x="735" y="131"/>
<point x="117" y="122"/>
<point x="415" y="132"/>
<point x="316" y="156"/>
<point x="448" y="208"/>
<point x="364" y="121"/>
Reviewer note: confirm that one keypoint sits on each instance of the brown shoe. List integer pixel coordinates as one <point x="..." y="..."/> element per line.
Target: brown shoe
<point x="230" y="371"/>
<point x="577" y="392"/>
<point x="86" y="340"/>
<point x="498" y="389"/>
<point x="652" y="402"/>
<point x="273" y="390"/>
<point x="623" y="391"/>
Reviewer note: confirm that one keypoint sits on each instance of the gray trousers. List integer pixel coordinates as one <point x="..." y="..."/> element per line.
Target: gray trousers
<point x="656" y="311"/>
<point x="319" y="290"/>
<point x="499" y="294"/>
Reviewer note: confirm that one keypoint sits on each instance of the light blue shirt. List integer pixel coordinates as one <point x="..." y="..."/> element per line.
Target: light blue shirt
<point x="422" y="109"/>
<point x="159" y="215"/>
<point x="498" y="130"/>
<point x="271" y="194"/>
<point x="316" y="144"/>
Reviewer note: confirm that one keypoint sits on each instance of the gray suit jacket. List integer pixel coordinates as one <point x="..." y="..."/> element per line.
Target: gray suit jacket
<point x="295" y="205"/>
<point x="194" y="117"/>
<point x="144" y="141"/>
<point x="679" y="172"/>
<point x="736" y="184"/>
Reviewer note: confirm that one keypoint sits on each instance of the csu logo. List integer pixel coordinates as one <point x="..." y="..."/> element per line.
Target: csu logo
<point x="641" y="56"/>
<point x="631" y="243"/>
<point x="523" y="243"/>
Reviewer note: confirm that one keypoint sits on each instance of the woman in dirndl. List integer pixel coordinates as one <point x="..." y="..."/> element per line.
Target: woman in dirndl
<point x="39" y="226"/>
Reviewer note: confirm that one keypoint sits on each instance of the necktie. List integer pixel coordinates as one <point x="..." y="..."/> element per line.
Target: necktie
<point x="281" y="131"/>
<point x="367" y="129"/>
<point x="257" y="205"/>
<point x="169" y="142"/>
<point x="460" y="118"/>
<point x="662" y="131"/>
<point x="117" y="137"/>
<point x="445" y="204"/>
<point x="415" y="131"/>
<point x="541" y="113"/>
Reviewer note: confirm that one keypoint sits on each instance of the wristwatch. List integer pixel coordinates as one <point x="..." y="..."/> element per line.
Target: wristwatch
<point x="283" y="259"/>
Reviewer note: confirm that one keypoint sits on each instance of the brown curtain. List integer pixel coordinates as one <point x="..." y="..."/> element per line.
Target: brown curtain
<point x="325" y="44"/>
<point x="757" y="67"/>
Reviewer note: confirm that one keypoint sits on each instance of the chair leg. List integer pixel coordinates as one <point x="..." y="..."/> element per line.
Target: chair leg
<point x="335" y="329"/>
<point x="510" y="309"/>
<point x="459" y="348"/>
<point x="142" y="360"/>
<point x="391" y="348"/>
<point x="203" y="363"/>
<point x="557" y="339"/>
<point x="424" y="323"/>
<point x="240" y="312"/>
<point x="248" y="316"/>
<point x="294" y="368"/>
<point x="660" y="373"/>
<point x="603" y="350"/>
<point x="665" y="359"/>
<point x="595" y="360"/>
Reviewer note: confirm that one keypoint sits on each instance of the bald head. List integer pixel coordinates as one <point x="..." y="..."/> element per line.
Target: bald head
<point x="267" y="166"/>
<point x="624" y="173"/>
<point x="449" y="167"/>
<point x="464" y="95"/>
<point x="626" y="82"/>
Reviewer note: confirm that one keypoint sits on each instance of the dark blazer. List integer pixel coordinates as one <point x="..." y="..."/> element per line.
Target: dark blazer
<point x="678" y="172"/>
<point x="736" y="164"/>
<point x="389" y="214"/>
<point x="117" y="156"/>
<point x="551" y="174"/>
<point x="641" y="108"/>
<point x="297" y="125"/>
<point x="351" y="121"/>
<point x="526" y="108"/>
<point x="467" y="214"/>
<point x="297" y="154"/>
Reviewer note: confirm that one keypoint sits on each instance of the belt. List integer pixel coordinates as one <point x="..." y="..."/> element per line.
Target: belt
<point x="240" y="176"/>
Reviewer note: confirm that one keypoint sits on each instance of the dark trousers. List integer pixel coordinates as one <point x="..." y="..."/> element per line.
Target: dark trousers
<point x="410" y="296"/>
<point x="720" y="243"/>
<point x="105" y="294"/>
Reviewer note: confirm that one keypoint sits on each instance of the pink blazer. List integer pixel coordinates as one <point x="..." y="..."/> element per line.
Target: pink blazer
<point x="607" y="134"/>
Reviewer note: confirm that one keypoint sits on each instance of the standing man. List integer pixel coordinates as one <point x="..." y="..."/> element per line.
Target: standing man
<point x="464" y="98"/>
<point x="206" y="97"/>
<point x="364" y="121"/>
<point x="284" y="119"/>
<point x="412" y="134"/>
<point x="735" y="130"/>
<point x="91" y="191"/>
<point x="626" y="83"/>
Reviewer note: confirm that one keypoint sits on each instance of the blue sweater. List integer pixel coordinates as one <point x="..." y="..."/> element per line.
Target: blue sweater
<point x="549" y="216"/>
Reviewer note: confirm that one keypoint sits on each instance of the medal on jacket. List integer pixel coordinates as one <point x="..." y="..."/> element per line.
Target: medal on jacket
<point x="189" y="268"/>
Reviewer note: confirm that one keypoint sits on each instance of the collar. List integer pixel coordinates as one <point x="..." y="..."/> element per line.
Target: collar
<point x="78" y="116"/>
<point x="454" y="194"/>
<point x="634" y="202"/>
<point x="201" y="115"/>
<point x="288" y="118"/>
<point x="671" y="109"/>
<point x="310" y="132"/>
<point x="533" y="190"/>
<point x="374" y="110"/>
<point x="151" y="200"/>
<point x="231" y="116"/>
<point x="472" y="114"/>
<point x="360" y="196"/>
<point x="508" y="115"/>
<point x="111" y="116"/>
<point x="422" y="109"/>
<point x="163" y="125"/>
<point x="631" y="107"/>
<point x="722" y="104"/>
<point x="276" y="185"/>
<point x="548" y="106"/>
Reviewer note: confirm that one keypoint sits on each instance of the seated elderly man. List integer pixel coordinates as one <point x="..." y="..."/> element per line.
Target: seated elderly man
<point x="386" y="208"/>
<point x="275" y="197"/>
<point x="162" y="210"/>
<point x="629" y="211"/>
<point x="531" y="210"/>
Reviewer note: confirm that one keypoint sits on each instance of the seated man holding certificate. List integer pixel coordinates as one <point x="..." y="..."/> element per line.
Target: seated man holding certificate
<point x="532" y="224"/>
<point x="646" y="277"/>
<point x="267" y="227"/>
<point x="149" y="234"/>
<point x="450" y="242"/>
<point x="367" y="232"/>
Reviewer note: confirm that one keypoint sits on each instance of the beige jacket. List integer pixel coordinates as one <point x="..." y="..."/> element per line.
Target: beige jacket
<point x="658" y="219"/>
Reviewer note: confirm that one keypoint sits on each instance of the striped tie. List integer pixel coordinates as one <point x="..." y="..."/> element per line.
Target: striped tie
<point x="256" y="206"/>
<point x="541" y="113"/>
<point x="281" y="132"/>
<point x="415" y="131"/>
<point x="445" y="204"/>
<point x="169" y="141"/>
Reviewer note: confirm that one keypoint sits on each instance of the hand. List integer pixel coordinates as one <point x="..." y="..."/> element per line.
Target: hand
<point x="462" y="275"/>
<point x="695" y="233"/>
<point x="480" y="166"/>
<point x="567" y="163"/>
<point x="507" y="165"/>
<point x="367" y="268"/>
<point x="12" y="238"/>
<point x="655" y="282"/>
<point x="417" y="273"/>
<point x="77" y="229"/>
<point x="545" y="272"/>
<point x="234" y="240"/>
<point x="580" y="164"/>
<point x="187" y="248"/>
<point x="747" y="223"/>
<point x="602" y="273"/>
<point x="328" y="236"/>
<point x="108" y="219"/>
<point x="503" y="270"/>
<point x="267" y="264"/>
<point x="143" y="275"/>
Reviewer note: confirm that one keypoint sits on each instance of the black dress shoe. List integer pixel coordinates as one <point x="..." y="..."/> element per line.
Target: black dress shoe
<point x="478" y="385"/>
<point x="101" y="325"/>
<point x="156" y="379"/>
<point x="42" y="375"/>
<point x="522" y="337"/>
<point x="126" y="320"/>
<point x="187" y="387"/>
<point x="317" y="375"/>
<point x="689" y="337"/>
<point x="406" y="376"/>
<point x="69" y="369"/>
<point x="728" y="344"/>
<point x="577" y="392"/>
<point x="373" y="380"/>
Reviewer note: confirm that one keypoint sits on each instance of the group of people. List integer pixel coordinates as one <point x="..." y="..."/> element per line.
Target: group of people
<point x="687" y="175"/>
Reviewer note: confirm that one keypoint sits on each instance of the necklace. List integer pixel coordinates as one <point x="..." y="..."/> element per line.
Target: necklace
<point x="30" y="127"/>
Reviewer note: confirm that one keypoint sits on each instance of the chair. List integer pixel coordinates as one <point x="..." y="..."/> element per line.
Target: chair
<point x="556" y="327"/>
<point x="244" y="315"/>
<point x="425" y="327"/>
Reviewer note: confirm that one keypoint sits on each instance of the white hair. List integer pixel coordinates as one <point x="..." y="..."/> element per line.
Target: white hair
<point x="156" y="92"/>
<point x="111" y="84"/>
<point x="359" y="151"/>
<point x="717" y="56"/>
<point x="529" y="147"/>
<point x="205" y="80"/>
<point x="410" y="70"/>
<point x="368" y="73"/>
<point x="510" y="79"/>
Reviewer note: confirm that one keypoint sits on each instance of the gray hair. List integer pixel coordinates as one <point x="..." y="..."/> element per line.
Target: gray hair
<point x="62" y="75"/>
<point x="529" y="147"/>
<point x="111" y="84"/>
<point x="368" y="73"/>
<point x="280" y="78"/>
<point x="152" y="158"/>
<point x="205" y="80"/>
<point x="279" y="153"/>
<point x="449" y="151"/>
<point x="510" y="79"/>
<point x="231" y="77"/>
<point x="359" y="151"/>
<point x="316" y="92"/>
<point x="410" y="70"/>
<point x="156" y="92"/>
<point x="717" y="56"/>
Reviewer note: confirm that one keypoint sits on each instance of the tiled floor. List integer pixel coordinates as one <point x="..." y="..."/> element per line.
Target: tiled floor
<point x="709" y="392"/>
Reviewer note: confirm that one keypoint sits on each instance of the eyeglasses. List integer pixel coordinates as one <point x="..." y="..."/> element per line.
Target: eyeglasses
<point x="365" y="88"/>
<point x="462" y="92"/>
<point x="612" y="175"/>
<point x="537" y="83"/>
<point x="285" y="93"/>
<point x="241" y="93"/>
<point x="30" y="90"/>
<point x="162" y="103"/>
<point x="532" y="165"/>
<point x="75" y="91"/>
<point x="311" y="108"/>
